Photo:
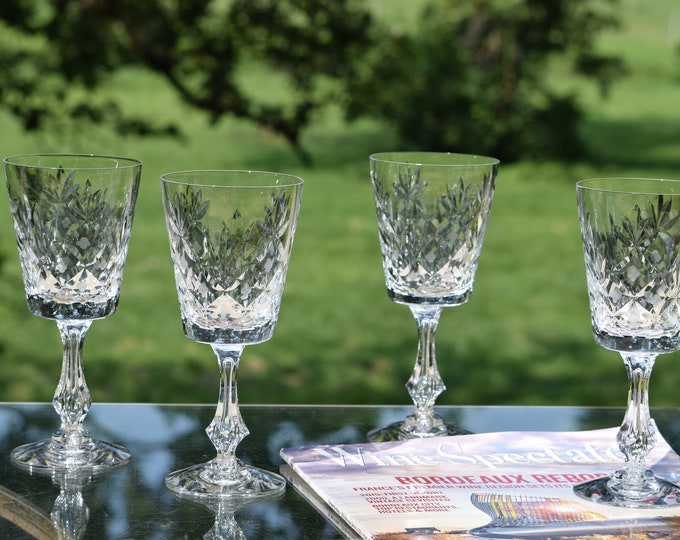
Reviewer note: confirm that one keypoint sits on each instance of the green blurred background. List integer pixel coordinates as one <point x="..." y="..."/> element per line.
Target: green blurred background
<point x="524" y="337"/>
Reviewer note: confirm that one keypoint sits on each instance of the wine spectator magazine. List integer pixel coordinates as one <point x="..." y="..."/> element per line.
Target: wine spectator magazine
<point x="512" y="485"/>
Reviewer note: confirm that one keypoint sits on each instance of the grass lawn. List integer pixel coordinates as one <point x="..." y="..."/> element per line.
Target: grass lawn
<point x="524" y="337"/>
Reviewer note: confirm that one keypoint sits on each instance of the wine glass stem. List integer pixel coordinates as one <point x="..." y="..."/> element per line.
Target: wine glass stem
<point x="225" y="525"/>
<point x="70" y="514"/>
<point x="636" y="437"/>
<point x="227" y="428"/>
<point x="425" y="383"/>
<point x="72" y="398"/>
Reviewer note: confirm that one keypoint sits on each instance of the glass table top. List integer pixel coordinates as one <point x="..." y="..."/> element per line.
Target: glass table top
<point x="133" y="503"/>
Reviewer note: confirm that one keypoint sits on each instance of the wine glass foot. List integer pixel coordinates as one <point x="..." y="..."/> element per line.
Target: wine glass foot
<point x="411" y="428"/>
<point x="207" y="481"/>
<point x="653" y="492"/>
<point x="49" y="455"/>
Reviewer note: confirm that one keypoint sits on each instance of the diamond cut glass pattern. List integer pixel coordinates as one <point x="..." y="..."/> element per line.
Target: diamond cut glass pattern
<point x="632" y="272"/>
<point x="431" y="237"/>
<point x="72" y="219"/>
<point x="231" y="235"/>
<point x="226" y="270"/>
<point x="631" y="241"/>
<point x="432" y="210"/>
<point x="72" y="238"/>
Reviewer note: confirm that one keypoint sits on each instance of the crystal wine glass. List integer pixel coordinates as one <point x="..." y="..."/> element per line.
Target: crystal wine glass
<point x="631" y="240"/>
<point x="432" y="210"/>
<point x="72" y="220"/>
<point x="231" y="234"/>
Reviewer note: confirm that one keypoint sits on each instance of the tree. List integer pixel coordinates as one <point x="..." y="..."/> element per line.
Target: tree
<point x="470" y="77"/>
<point x="55" y="50"/>
<point x="474" y="76"/>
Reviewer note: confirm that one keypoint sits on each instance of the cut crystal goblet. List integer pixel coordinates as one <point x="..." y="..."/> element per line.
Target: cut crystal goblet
<point x="72" y="219"/>
<point x="631" y="241"/>
<point x="432" y="211"/>
<point x="231" y="234"/>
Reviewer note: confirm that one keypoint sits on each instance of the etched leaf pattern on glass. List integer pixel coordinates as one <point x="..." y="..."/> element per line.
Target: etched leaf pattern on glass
<point x="632" y="270"/>
<point x="227" y="278"/>
<point x="75" y="247"/>
<point x="431" y="246"/>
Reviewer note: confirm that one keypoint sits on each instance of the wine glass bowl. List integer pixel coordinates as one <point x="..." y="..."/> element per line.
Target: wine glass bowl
<point x="231" y="234"/>
<point x="630" y="229"/>
<point x="72" y="219"/>
<point x="432" y="211"/>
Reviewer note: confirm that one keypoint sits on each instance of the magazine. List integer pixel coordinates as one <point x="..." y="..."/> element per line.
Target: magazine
<point x="511" y="485"/>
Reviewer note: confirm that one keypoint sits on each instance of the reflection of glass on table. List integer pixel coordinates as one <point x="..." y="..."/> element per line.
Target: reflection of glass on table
<point x="133" y="501"/>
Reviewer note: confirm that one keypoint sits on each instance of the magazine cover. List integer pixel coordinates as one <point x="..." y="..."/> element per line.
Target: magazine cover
<point x="513" y="485"/>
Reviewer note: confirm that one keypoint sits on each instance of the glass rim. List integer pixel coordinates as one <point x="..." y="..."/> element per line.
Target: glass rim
<point x="600" y="185"/>
<point x="293" y="180"/>
<point x="127" y="162"/>
<point x="399" y="158"/>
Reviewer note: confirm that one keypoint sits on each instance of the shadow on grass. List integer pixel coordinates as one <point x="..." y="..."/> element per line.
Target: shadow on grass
<point x="555" y="372"/>
<point x="650" y="144"/>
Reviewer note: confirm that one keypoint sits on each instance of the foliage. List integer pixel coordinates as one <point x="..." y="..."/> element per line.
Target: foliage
<point x="56" y="49"/>
<point x="473" y="76"/>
